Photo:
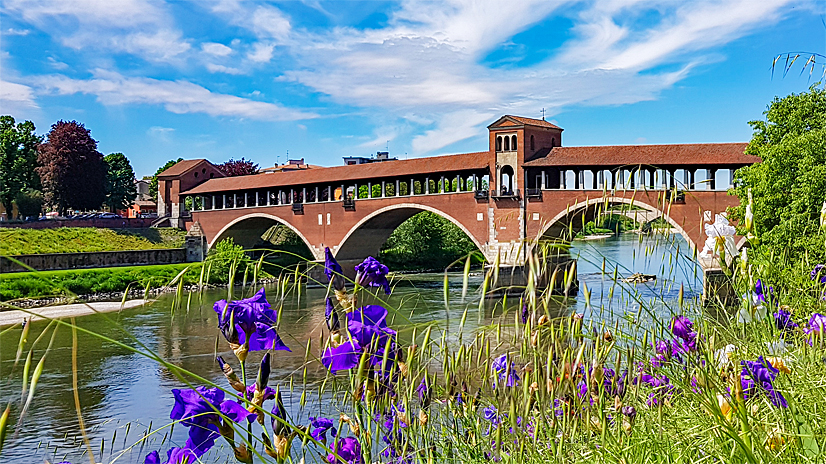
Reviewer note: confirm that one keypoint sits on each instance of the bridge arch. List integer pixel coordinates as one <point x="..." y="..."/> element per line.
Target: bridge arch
<point x="367" y="236"/>
<point x="574" y="216"/>
<point x="248" y="229"/>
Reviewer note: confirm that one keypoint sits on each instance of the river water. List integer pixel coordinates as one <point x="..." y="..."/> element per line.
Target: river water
<point x="123" y="393"/>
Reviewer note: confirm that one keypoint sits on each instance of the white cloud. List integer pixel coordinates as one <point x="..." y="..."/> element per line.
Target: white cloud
<point x="11" y="31"/>
<point x="269" y="22"/>
<point x="176" y="96"/>
<point x="16" y="94"/>
<point x="216" y="49"/>
<point x="218" y="68"/>
<point x="452" y="128"/>
<point x="139" y="27"/>
<point x="261" y="52"/>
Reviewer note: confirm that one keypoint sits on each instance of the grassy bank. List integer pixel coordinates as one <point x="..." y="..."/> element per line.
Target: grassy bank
<point x="86" y="239"/>
<point x="85" y="281"/>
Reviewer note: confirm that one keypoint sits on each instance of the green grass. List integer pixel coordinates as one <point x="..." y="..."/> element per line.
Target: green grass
<point x="86" y="239"/>
<point x="84" y="281"/>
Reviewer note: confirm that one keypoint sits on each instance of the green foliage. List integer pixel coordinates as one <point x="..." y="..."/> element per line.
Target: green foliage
<point x="426" y="241"/>
<point x="226" y="256"/>
<point x="789" y="185"/>
<point x="29" y="202"/>
<point x="153" y="182"/>
<point x="86" y="239"/>
<point x="18" y="159"/>
<point x="85" y="281"/>
<point x="120" y="182"/>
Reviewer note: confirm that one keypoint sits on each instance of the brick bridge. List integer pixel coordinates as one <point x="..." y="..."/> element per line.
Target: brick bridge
<point x="525" y="186"/>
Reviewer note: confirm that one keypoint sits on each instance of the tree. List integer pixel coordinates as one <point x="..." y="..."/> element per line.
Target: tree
<point x="789" y="185"/>
<point x="18" y="159"/>
<point x="120" y="182"/>
<point x="425" y="241"/>
<point x="29" y="202"/>
<point x="153" y="183"/>
<point x="71" y="169"/>
<point x="240" y="167"/>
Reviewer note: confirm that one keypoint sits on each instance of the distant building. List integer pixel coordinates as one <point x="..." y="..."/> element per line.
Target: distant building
<point x="144" y="205"/>
<point x="380" y="156"/>
<point x="291" y="165"/>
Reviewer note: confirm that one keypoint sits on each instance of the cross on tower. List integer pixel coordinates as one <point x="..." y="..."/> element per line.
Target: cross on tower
<point x="543" y="114"/>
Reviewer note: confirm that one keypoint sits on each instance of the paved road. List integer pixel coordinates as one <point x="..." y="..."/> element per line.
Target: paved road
<point x="14" y="317"/>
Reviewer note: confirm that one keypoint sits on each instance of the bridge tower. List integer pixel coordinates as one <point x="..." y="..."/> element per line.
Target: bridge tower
<point x="514" y="140"/>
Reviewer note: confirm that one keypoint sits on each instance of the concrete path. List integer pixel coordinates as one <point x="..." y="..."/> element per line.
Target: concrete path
<point x="14" y="317"/>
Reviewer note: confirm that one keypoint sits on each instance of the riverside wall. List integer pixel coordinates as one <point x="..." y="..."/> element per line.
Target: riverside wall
<point x="109" y="223"/>
<point x="63" y="261"/>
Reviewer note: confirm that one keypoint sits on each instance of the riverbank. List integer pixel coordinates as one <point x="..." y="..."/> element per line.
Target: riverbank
<point x="16" y="317"/>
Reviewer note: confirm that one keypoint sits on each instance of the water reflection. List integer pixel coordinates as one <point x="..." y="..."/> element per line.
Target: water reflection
<point x="119" y="388"/>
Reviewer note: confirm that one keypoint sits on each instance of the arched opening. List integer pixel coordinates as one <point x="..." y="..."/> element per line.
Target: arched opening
<point x="506" y="180"/>
<point x="533" y="145"/>
<point x="507" y="143"/>
<point x="264" y="233"/>
<point x="499" y="143"/>
<point x="513" y="142"/>
<point x="407" y="236"/>
<point x="553" y="142"/>
<point x="567" y="224"/>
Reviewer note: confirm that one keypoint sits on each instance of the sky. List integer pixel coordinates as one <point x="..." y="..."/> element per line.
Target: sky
<point x="268" y="81"/>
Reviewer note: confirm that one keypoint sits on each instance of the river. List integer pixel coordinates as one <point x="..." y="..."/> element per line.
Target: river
<point x="122" y="392"/>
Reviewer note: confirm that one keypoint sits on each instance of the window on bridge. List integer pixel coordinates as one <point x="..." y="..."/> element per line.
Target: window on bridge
<point x="513" y="143"/>
<point x="507" y="146"/>
<point x="499" y="143"/>
<point x="533" y="146"/>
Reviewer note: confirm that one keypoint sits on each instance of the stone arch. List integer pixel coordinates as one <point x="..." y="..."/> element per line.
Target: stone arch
<point x="247" y="230"/>
<point x="558" y="224"/>
<point x="369" y="234"/>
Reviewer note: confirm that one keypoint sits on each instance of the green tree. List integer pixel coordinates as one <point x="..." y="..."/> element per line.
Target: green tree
<point x="426" y="241"/>
<point x="29" y="202"/>
<point x="18" y="159"/>
<point x="153" y="183"/>
<point x="120" y="182"/>
<point x="789" y="185"/>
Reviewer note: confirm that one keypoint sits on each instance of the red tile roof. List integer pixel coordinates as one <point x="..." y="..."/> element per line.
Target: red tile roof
<point x="181" y="167"/>
<point x="386" y="169"/>
<point x="708" y="154"/>
<point x="519" y="120"/>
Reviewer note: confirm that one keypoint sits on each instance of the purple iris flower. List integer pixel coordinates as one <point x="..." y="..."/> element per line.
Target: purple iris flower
<point x="491" y="415"/>
<point x="269" y="392"/>
<point x="320" y="427"/>
<point x="525" y="313"/>
<point x="783" y="320"/>
<point x="348" y="450"/>
<point x="760" y="375"/>
<point x="343" y="357"/>
<point x="820" y="268"/>
<point x="371" y="273"/>
<point x="331" y="266"/>
<point x="254" y="320"/>
<point x="368" y="325"/>
<point x="682" y="327"/>
<point x="816" y="323"/>
<point x="331" y="316"/>
<point x="504" y="368"/>
<point x="173" y="456"/>
<point x="198" y="409"/>
<point x="762" y="295"/>
<point x="424" y="392"/>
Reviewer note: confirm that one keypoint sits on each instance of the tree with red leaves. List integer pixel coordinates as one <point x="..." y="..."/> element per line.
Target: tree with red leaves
<point x="240" y="167"/>
<point x="71" y="169"/>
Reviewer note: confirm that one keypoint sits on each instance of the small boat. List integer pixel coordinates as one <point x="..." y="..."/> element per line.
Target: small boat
<point x="638" y="278"/>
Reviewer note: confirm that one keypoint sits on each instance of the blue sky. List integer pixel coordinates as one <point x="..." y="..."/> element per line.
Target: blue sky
<point x="321" y="80"/>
